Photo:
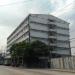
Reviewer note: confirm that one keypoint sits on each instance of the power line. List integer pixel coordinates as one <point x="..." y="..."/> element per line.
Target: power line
<point x="64" y="7"/>
<point x="17" y="2"/>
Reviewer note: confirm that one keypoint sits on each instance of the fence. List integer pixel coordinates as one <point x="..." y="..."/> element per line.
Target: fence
<point x="63" y="63"/>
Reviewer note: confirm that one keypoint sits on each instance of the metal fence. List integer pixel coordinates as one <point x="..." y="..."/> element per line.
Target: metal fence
<point x="63" y="63"/>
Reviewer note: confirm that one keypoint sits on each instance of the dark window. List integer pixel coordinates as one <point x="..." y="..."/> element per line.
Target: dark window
<point x="51" y="20"/>
<point x="52" y="26"/>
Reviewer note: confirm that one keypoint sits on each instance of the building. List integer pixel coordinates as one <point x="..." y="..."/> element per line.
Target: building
<point x="46" y="28"/>
<point x="2" y="55"/>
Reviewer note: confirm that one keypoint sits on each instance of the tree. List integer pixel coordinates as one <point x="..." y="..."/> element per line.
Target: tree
<point x="13" y="52"/>
<point x="17" y="52"/>
<point x="34" y="52"/>
<point x="29" y="53"/>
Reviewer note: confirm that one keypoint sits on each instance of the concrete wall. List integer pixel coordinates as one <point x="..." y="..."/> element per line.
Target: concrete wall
<point x="67" y="63"/>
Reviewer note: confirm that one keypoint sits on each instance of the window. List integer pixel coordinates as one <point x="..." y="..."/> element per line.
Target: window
<point x="52" y="33"/>
<point x="51" y="20"/>
<point x="52" y="26"/>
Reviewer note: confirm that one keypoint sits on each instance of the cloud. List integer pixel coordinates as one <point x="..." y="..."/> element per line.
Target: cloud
<point x="11" y="16"/>
<point x="56" y="4"/>
<point x="40" y="6"/>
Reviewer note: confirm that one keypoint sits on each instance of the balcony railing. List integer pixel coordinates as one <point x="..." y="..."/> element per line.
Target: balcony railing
<point x="52" y="30"/>
<point x="53" y="44"/>
<point x="53" y="37"/>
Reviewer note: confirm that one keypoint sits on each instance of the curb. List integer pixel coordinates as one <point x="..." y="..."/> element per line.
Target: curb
<point x="61" y="70"/>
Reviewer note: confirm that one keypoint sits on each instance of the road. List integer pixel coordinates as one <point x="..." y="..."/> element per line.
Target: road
<point x="15" y="71"/>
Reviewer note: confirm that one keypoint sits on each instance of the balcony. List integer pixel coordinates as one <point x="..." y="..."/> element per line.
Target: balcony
<point x="52" y="30"/>
<point x="52" y="37"/>
<point x="53" y="44"/>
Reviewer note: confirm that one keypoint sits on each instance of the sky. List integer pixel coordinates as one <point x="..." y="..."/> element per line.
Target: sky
<point x="12" y="13"/>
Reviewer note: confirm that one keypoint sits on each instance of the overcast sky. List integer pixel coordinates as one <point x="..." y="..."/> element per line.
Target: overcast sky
<point x="12" y="12"/>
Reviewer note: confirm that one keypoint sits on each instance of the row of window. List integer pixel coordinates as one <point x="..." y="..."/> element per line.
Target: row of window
<point x="52" y="33"/>
<point x="59" y="21"/>
<point x="52" y="40"/>
<point x="49" y="19"/>
<point x="59" y="48"/>
<point x="25" y="20"/>
<point x="18" y="39"/>
<point x="17" y="34"/>
<point x="50" y="25"/>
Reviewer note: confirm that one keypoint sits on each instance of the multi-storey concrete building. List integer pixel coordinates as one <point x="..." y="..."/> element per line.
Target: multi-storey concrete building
<point x="46" y="28"/>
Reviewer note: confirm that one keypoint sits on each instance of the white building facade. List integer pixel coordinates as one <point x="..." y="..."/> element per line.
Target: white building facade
<point x="46" y="28"/>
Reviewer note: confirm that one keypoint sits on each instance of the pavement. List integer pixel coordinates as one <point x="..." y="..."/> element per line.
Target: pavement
<point x="6" y="70"/>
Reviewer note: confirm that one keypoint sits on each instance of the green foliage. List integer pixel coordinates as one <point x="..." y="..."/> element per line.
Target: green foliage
<point x="29" y="52"/>
<point x="39" y="48"/>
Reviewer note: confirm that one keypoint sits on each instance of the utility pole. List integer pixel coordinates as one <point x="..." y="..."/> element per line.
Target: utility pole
<point x="49" y="59"/>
